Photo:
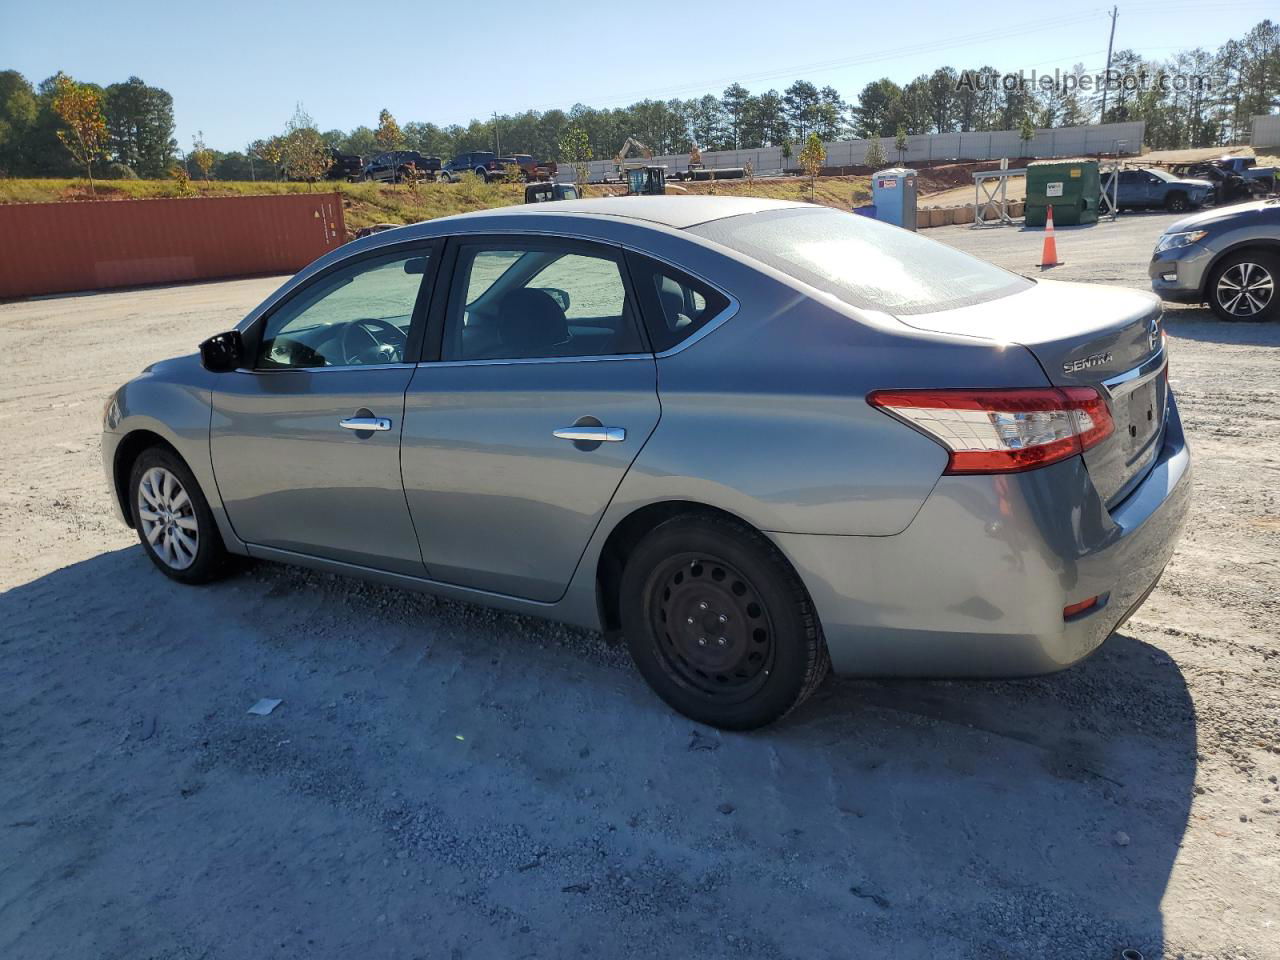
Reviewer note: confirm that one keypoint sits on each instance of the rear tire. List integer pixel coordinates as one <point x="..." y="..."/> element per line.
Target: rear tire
<point x="174" y="523"/>
<point x="1243" y="287"/>
<point x="719" y="624"/>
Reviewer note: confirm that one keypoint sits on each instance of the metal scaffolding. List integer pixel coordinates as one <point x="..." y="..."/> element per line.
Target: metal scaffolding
<point x="990" y="194"/>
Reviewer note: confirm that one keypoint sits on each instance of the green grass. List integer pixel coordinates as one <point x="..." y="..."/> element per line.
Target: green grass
<point x="369" y="203"/>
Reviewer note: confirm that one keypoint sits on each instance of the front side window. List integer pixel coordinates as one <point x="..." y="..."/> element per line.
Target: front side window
<point x="355" y="316"/>
<point x="865" y="263"/>
<point x="522" y="302"/>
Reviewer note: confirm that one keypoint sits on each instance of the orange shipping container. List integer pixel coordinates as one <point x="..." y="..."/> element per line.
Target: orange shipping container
<point x="92" y="245"/>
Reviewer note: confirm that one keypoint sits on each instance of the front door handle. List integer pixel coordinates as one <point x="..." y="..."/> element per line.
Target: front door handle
<point x="586" y="434"/>
<point x="365" y="423"/>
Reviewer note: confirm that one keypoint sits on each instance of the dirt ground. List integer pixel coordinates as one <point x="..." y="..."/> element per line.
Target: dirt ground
<point x="446" y="781"/>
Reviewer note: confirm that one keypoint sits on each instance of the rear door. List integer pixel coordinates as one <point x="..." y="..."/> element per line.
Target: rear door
<point x="518" y="435"/>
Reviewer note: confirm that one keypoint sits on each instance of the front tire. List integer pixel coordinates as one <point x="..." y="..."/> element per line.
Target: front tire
<point x="719" y="624"/>
<point x="172" y="517"/>
<point x="1243" y="287"/>
<point x="1176" y="203"/>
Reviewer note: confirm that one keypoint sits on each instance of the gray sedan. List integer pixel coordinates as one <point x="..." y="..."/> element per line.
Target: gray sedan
<point x="757" y="439"/>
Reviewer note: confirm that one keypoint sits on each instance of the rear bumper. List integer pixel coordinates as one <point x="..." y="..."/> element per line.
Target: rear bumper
<point x="976" y="585"/>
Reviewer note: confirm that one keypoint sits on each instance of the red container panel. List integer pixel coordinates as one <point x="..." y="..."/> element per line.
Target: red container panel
<point x="94" y="245"/>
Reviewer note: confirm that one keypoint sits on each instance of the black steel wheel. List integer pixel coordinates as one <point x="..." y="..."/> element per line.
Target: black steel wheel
<point x="719" y="624"/>
<point x="714" y="632"/>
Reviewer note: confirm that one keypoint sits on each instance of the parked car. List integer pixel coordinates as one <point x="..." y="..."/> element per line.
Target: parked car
<point x="1248" y="168"/>
<point x="344" y="166"/>
<point x="484" y="164"/>
<point x="1228" y="187"/>
<point x="373" y="228"/>
<point x="1144" y="189"/>
<point x="396" y="165"/>
<point x="1228" y="258"/>
<point x="544" y="192"/>
<point x="759" y="438"/>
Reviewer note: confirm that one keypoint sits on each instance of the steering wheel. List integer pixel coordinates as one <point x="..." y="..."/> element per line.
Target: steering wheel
<point x="386" y="349"/>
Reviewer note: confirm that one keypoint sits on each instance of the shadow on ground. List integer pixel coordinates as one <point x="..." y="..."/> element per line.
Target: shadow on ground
<point x="446" y="780"/>
<point x="1199" y="323"/>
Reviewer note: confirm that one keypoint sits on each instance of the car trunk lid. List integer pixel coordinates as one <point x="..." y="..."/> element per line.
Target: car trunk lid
<point x="1100" y="337"/>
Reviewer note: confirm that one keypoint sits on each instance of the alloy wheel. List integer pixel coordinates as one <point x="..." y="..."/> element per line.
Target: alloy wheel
<point x="714" y="631"/>
<point x="168" y="518"/>
<point x="1245" y="289"/>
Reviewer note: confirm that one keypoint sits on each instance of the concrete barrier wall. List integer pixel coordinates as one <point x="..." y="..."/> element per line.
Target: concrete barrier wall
<point x="986" y="145"/>
<point x="1265" y="132"/>
<point x="93" y="245"/>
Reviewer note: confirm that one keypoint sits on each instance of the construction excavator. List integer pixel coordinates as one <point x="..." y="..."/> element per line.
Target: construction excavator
<point x="643" y="179"/>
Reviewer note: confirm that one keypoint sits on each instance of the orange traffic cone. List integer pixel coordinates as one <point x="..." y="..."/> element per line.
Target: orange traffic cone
<point x="1049" y="255"/>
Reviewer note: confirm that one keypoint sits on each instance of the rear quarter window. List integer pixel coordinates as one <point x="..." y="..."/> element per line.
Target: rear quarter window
<point x="675" y="305"/>
<point x="865" y="263"/>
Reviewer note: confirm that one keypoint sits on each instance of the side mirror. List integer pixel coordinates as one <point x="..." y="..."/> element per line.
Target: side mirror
<point x="223" y="352"/>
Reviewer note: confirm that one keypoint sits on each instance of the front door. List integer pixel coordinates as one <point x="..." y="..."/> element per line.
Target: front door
<point x="306" y="442"/>
<point x="516" y="440"/>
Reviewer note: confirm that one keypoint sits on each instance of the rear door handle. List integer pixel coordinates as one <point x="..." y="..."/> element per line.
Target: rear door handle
<point x="365" y="423"/>
<point x="592" y="434"/>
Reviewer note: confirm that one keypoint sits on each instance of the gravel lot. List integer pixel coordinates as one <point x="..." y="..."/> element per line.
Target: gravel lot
<point x="446" y="781"/>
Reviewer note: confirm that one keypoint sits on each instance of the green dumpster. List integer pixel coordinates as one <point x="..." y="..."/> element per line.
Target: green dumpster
<point x="1072" y="187"/>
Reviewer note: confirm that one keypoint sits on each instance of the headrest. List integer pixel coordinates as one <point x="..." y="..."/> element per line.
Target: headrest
<point x="671" y="295"/>
<point x="530" y="321"/>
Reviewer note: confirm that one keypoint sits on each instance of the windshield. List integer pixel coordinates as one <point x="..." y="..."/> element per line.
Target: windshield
<point x="863" y="262"/>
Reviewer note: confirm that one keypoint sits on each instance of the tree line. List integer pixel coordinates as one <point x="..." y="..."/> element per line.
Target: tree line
<point x="1227" y="88"/>
<point x="136" y="127"/>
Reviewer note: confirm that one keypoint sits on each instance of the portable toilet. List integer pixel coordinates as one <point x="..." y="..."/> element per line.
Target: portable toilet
<point x="1072" y="187"/>
<point x="893" y="192"/>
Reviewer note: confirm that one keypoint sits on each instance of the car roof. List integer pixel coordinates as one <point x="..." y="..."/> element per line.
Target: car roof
<point x="676" y="212"/>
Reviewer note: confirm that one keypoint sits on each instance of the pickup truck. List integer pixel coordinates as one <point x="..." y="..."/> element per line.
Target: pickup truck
<point x="1229" y="187"/>
<point x="483" y="163"/>
<point x="488" y="166"/>
<point x="1248" y="168"/>
<point x="344" y="166"/>
<point x="1154" y="188"/>
<point x="533" y="169"/>
<point x="394" y="166"/>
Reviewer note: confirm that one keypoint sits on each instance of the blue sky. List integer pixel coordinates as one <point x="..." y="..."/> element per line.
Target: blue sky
<point x="237" y="68"/>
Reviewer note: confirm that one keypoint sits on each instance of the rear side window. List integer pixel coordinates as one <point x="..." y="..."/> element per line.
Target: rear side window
<point x="865" y="263"/>
<point x="538" y="299"/>
<point x="676" y="305"/>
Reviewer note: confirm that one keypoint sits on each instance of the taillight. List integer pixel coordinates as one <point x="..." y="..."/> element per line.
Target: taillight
<point x="1003" y="431"/>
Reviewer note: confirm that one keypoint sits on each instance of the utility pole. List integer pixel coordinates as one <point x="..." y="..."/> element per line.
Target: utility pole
<point x="1102" y="117"/>
<point x="497" y="138"/>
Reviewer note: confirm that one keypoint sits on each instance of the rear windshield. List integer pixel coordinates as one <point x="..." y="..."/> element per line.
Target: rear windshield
<point x="864" y="262"/>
